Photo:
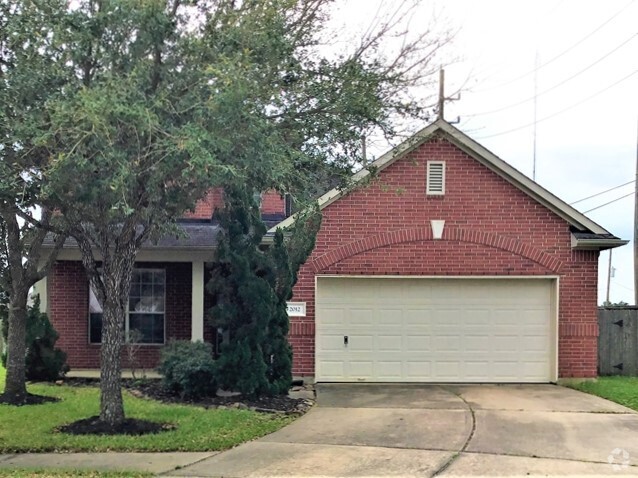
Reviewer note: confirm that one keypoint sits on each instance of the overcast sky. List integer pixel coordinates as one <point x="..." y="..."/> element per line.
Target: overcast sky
<point x="581" y="57"/>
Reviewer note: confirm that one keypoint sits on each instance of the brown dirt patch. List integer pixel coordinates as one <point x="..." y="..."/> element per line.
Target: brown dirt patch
<point x="130" y="426"/>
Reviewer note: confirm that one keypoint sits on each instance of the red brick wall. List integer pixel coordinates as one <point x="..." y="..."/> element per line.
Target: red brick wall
<point x="271" y="203"/>
<point x="491" y="228"/>
<point x="68" y="309"/>
<point x="205" y="207"/>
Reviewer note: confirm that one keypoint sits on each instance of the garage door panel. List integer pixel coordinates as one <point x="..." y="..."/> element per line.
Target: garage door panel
<point x="477" y="317"/>
<point x="360" y="343"/>
<point x="417" y="343"/>
<point x="416" y="317"/>
<point x="477" y="370"/>
<point x="389" y="370"/>
<point x="417" y="330"/>
<point x="332" y="369"/>
<point x="333" y="317"/>
<point x="330" y="343"/>
<point x="361" y="368"/>
<point x="421" y="370"/>
<point x="388" y="317"/>
<point x="390" y="343"/>
<point x="447" y="371"/>
<point x="360" y="317"/>
<point x="447" y="343"/>
<point x="536" y="343"/>
<point x="477" y="343"/>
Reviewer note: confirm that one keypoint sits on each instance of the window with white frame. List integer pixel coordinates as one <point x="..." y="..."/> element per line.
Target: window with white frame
<point x="436" y="178"/>
<point x="146" y="309"/>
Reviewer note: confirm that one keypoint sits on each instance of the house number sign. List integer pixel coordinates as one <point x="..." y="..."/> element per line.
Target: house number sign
<point x="296" y="309"/>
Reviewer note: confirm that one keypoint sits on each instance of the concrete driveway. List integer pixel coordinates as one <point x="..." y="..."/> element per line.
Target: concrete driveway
<point x="428" y="430"/>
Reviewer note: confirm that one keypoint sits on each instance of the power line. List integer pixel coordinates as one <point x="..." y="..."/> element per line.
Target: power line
<point x="610" y="202"/>
<point x="602" y="192"/>
<point x="536" y="68"/>
<point x="513" y="105"/>
<point x="620" y="285"/>
<point x="561" y="111"/>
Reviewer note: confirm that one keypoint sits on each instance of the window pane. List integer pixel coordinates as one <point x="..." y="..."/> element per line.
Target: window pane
<point x="145" y="307"/>
<point x="150" y="326"/>
<point x="136" y="278"/>
<point x="95" y="328"/>
<point x="94" y="305"/>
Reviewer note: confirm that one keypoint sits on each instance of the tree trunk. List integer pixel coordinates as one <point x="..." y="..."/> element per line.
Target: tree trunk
<point x="111" y="404"/>
<point x="15" y="390"/>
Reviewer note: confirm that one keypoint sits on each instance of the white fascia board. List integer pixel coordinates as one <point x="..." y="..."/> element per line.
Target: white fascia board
<point x="522" y="182"/>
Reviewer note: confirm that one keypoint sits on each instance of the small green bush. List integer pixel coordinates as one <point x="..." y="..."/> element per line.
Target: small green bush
<point x="44" y="362"/>
<point x="188" y="369"/>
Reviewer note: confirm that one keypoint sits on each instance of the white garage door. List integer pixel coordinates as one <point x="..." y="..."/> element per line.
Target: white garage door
<point x="434" y="330"/>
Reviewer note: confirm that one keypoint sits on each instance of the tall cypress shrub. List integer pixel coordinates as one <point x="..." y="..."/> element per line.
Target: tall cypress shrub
<point x="243" y="296"/>
<point x="250" y="288"/>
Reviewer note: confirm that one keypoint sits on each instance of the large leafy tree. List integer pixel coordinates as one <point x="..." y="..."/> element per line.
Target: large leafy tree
<point x="160" y="100"/>
<point x="28" y="75"/>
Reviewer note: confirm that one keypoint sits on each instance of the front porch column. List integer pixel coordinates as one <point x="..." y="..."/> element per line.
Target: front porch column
<point x="197" y="303"/>
<point x="40" y="288"/>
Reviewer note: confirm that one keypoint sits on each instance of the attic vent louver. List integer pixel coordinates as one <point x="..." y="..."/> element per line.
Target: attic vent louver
<point x="436" y="178"/>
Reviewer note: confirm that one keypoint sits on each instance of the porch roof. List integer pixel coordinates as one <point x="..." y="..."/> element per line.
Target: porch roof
<point x="197" y="234"/>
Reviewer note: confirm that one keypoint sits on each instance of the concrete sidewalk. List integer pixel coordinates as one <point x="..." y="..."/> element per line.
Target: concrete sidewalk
<point x="156" y="463"/>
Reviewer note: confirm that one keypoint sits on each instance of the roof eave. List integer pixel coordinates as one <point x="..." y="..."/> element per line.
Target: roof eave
<point x="522" y="182"/>
<point x="597" y="244"/>
<point x="572" y="216"/>
<point x="380" y="163"/>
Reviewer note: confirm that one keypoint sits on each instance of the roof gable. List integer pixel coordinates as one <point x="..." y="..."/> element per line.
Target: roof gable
<point x="576" y="219"/>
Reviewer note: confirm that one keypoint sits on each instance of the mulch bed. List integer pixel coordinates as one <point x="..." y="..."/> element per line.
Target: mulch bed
<point x="152" y="389"/>
<point x="130" y="426"/>
<point x="29" y="399"/>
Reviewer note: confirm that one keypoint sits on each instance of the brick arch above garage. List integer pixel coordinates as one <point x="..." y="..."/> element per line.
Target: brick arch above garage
<point x="489" y="253"/>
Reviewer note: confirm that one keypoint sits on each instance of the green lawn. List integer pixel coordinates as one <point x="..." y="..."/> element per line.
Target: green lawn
<point x="623" y="390"/>
<point x="32" y="428"/>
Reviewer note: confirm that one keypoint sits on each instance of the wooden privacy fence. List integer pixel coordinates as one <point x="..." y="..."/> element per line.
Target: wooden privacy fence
<point x="618" y="340"/>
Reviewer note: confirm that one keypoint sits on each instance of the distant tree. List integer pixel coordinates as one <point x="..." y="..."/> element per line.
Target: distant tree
<point x="615" y="304"/>
<point x="28" y="77"/>
<point x="160" y="100"/>
<point x="44" y="361"/>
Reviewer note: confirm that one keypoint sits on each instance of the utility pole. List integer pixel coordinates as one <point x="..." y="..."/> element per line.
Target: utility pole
<point x="364" y="153"/>
<point x="608" y="278"/>
<point x="441" y="112"/>
<point x="443" y="99"/>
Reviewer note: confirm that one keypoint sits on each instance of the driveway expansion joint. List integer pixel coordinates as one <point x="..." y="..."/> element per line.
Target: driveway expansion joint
<point x="210" y="455"/>
<point x="455" y="456"/>
<point x="283" y="442"/>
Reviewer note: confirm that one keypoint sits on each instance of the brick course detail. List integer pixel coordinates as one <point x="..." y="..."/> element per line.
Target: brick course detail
<point x="491" y="228"/>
